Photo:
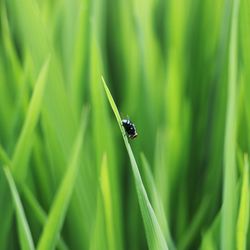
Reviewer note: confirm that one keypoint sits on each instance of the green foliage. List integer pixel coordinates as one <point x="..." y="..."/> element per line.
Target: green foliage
<point x="243" y="217"/>
<point x="23" y="228"/>
<point x="180" y="70"/>
<point x="61" y="201"/>
<point x="154" y="233"/>
<point x="228" y="223"/>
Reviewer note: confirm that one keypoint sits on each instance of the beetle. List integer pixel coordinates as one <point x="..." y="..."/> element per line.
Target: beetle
<point x="129" y="128"/>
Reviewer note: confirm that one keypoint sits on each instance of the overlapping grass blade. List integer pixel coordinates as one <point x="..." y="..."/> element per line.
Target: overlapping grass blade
<point x="158" y="206"/>
<point x="4" y="158"/>
<point x="193" y="228"/>
<point x="80" y="52"/>
<point x="39" y="45"/>
<point x="37" y="210"/>
<point x="23" y="227"/>
<point x="39" y="213"/>
<point x="211" y="238"/>
<point x="107" y="201"/>
<point x="228" y="223"/>
<point x="24" y="142"/>
<point x="98" y="239"/>
<point x="154" y="233"/>
<point x="243" y="216"/>
<point x="59" y="207"/>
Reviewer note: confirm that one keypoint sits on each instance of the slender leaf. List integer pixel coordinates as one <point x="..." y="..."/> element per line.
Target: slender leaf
<point x="229" y="199"/>
<point x="39" y="213"/>
<point x="153" y="231"/>
<point x="23" y="227"/>
<point x="159" y="209"/>
<point x="107" y="200"/>
<point x="59" y="207"/>
<point x="24" y="142"/>
<point x="37" y="210"/>
<point x="243" y="216"/>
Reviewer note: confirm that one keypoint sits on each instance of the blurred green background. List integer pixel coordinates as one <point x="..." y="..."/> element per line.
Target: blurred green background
<point x="179" y="69"/>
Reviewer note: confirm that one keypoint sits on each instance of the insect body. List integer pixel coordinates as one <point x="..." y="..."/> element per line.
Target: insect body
<point x="129" y="128"/>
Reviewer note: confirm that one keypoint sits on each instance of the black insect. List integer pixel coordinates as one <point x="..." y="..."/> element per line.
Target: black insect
<point x="129" y="128"/>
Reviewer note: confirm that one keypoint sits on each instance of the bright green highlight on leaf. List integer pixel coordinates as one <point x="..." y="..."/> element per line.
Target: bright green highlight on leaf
<point x="106" y="193"/>
<point x="26" y="137"/>
<point x="243" y="216"/>
<point x="23" y="227"/>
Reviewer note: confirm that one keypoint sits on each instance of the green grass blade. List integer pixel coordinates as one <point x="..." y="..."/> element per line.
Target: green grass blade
<point x="37" y="210"/>
<point x="98" y="239"/>
<point x="114" y="108"/>
<point x="58" y="211"/>
<point x="153" y="231"/>
<point x="39" y="213"/>
<point x="107" y="200"/>
<point x="228" y="224"/>
<point x="4" y="158"/>
<point x="211" y="237"/>
<point x="243" y="216"/>
<point x="23" y="227"/>
<point x="24" y="142"/>
<point x="159" y="209"/>
<point x="194" y="226"/>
